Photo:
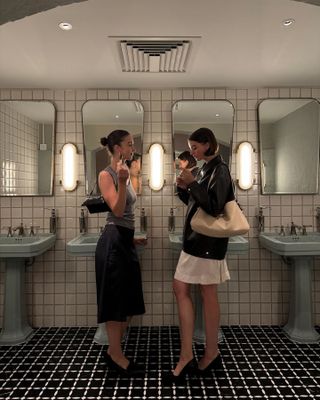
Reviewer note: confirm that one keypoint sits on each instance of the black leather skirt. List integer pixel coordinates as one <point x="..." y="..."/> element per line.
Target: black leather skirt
<point x="118" y="275"/>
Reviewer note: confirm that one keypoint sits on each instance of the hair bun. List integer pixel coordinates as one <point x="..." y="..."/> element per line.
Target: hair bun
<point x="104" y="141"/>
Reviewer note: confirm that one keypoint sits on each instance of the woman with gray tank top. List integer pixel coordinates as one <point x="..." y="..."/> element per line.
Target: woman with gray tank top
<point x="118" y="276"/>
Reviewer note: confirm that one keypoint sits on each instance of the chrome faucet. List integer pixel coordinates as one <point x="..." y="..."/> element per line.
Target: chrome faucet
<point x="20" y="229"/>
<point x="293" y="230"/>
<point x="9" y="233"/>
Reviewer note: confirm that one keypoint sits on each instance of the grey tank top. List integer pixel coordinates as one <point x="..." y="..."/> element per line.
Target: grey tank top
<point x="127" y="220"/>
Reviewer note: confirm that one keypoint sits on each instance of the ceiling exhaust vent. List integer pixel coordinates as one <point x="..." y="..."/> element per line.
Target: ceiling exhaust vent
<point x="155" y="54"/>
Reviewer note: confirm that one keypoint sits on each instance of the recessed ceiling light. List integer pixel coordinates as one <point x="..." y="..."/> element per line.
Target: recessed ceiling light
<point x="65" y="26"/>
<point x="288" y="22"/>
<point x="217" y="115"/>
<point x="117" y="116"/>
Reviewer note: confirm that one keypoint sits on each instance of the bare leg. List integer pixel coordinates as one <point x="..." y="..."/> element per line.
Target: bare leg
<point x="211" y="309"/>
<point x="186" y="318"/>
<point x="114" y="331"/>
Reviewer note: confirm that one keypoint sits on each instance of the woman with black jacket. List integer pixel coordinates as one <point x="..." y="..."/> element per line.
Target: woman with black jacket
<point x="202" y="259"/>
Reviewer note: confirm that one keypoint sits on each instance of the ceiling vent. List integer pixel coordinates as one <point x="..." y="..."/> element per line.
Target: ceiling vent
<point x="147" y="54"/>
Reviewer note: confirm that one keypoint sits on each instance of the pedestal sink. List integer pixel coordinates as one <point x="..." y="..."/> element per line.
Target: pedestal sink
<point x="298" y="252"/>
<point x="84" y="245"/>
<point x="237" y="245"/>
<point x="16" y="250"/>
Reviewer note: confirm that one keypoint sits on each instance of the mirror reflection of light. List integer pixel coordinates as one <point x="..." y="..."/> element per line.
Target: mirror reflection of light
<point x="156" y="154"/>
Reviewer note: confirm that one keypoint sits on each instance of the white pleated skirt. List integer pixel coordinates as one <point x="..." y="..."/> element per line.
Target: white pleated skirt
<point x="204" y="271"/>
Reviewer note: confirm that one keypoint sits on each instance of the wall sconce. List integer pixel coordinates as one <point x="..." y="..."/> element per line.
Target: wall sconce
<point x="156" y="155"/>
<point x="245" y="165"/>
<point x="69" y="180"/>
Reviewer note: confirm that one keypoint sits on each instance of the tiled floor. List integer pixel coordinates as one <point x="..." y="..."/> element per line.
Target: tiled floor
<point x="65" y="363"/>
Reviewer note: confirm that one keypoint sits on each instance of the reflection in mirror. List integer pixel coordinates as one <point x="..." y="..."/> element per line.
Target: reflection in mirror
<point x="26" y="148"/>
<point x="289" y="145"/>
<point x="99" y="119"/>
<point x="189" y="115"/>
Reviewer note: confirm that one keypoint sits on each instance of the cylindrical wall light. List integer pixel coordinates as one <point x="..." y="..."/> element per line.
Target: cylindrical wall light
<point x="156" y="161"/>
<point x="245" y="160"/>
<point x="69" y="167"/>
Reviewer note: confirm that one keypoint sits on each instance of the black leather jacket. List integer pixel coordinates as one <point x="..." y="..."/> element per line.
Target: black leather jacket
<point x="211" y="199"/>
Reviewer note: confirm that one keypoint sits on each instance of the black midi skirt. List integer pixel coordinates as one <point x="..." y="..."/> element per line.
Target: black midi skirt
<point x="118" y="275"/>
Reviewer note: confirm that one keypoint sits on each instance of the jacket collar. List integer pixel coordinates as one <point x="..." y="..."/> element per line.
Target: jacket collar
<point x="211" y="164"/>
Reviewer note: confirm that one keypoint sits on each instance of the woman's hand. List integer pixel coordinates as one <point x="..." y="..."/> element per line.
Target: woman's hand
<point x="122" y="171"/>
<point x="140" y="241"/>
<point x="185" y="178"/>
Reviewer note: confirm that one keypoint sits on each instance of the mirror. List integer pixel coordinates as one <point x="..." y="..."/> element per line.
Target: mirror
<point x="99" y="119"/>
<point x="289" y="146"/>
<point x="189" y="115"/>
<point x="26" y="148"/>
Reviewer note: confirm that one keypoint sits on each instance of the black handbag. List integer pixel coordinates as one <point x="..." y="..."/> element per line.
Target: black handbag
<point x="96" y="204"/>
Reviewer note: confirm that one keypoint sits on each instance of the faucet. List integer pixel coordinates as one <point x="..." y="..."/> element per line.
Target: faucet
<point x="20" y="229"/>
<point x="9" y="233"/>
<point x="293" y="230"/>
<point x="83" y="222"/>
<point x="304" y="229"/>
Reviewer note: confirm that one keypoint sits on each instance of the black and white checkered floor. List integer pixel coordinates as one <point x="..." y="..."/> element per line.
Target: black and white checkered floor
<point x="65" y="363"/>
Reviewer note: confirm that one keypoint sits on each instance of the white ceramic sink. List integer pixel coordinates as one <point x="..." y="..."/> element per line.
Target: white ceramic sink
<point x="297" y="252"/>
<point x="15" y="250"/>
<point x="237" y="244"/>
<point x="293" y="245"/>
<point x="25" y="246"/>
<point x="85" y="244"/>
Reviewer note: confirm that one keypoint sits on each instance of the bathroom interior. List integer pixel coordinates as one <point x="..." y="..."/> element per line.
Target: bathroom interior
<point x="249" y="70"/>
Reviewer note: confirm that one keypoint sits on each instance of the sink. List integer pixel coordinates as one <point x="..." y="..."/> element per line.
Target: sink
<point x="237" y="245"/>
<point x="25" y="246"/>
<point x="293" y="245"/>
<point x="298" y="253"/>
<point x="84" y="245"/>
<point x="15" y="251"/>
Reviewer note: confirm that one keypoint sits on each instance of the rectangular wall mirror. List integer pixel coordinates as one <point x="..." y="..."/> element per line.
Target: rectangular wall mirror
<point x="289" y="146"/>
<point x="190" y="115"/>
<point x="27" y="137"/>
<point x="100" y="117"/>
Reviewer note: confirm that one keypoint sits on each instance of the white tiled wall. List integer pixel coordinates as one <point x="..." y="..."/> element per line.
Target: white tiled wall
<point x="61" y="289"/>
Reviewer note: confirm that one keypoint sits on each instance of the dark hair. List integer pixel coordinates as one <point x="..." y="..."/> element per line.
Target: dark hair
<point x="135" y="157"/>
<point x="187" y="156"/>
<point x="205" y="135"/>
<point x="114" y="138"/>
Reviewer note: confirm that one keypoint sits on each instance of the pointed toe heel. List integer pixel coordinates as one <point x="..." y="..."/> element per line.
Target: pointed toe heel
<point x="215" y="364"/>
<point x="169" y="378"/>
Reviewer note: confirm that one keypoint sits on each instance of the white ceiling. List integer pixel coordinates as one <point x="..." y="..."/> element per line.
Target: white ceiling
<point x="243" y="44"/>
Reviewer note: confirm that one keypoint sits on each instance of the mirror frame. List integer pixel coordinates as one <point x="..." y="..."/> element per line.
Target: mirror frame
<point x="93" y="191"/>
<point x="54" y="126"/>
<point x="204" y="100"/>
<point x="260" y="149"/>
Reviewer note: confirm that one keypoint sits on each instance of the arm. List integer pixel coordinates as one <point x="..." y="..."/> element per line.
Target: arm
<point x="183" y="195"/>
<point x="116" y="199"/>
<point x="213" y="198"/>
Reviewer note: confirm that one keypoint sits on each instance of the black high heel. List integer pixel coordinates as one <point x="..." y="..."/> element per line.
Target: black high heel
<point x="169" y="377"/>
<point x="216" y="364"/>
<point x="131" y="370"/>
